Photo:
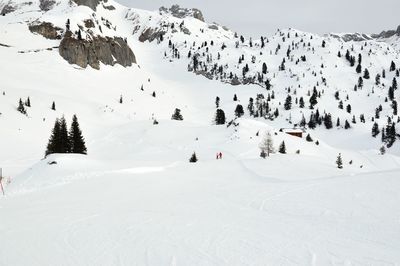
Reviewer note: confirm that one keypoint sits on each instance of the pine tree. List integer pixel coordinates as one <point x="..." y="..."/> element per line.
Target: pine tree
<point x="358" y="69"/>
<point x="308" y="138"/>
<point x="347" y="124"/>
<point x="21" y="107"/>
<point x="391" y="93"/>
<point x="394" y="106"/>
<point x="313" y="100"/>
<point x="328" y="121"/>
<point x="375" y="130"/>
<point x="282" y="148"/>
<point x="121" y="100"/>
<point x="288" y="103"/>
<point x="177" y="115"/>
<point x="348" y="108"/>
<point x="366" y="74"/>
<point x="239" y="111"/>
<point x="360" y="82"/>
<point x="382" y="150"/>
<point x="339" y="161"/>
<point x="28" y="102"/>
<point x="390" y="134"/>
<point x="220" y="117"/>
<point x="76" y="139"/>
<point x="53" y="106"/>
<point x="217" y="100"/>
<point x="301" y="102"/>
<point x="235" y="98"/>
<point x="392" y="66"/>
<point x="193" y="158"/>
<point x="54" y="141"/>
<point x="264" y="68"/>
<point x="65" y="144"/>
<point x="394" y="84"/>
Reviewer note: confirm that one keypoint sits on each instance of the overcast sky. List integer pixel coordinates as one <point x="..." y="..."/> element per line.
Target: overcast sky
<point x="261" y="17"/>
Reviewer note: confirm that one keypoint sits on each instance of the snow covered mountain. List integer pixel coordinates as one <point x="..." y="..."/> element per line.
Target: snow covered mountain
<point x="135" y="199"/>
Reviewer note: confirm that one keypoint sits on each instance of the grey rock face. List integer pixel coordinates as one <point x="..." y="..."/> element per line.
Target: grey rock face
<point x="109" y="51"/>
<point x="387" y="34"/>
<point x="90" y="3"/>
<point x="151" y="34"/>
<point x="9" y="8"/>
<point x="47" y="30"/>
<point x="356" y="37"/>
<point x="46" y="5"/>
<point x="180" y="12"/>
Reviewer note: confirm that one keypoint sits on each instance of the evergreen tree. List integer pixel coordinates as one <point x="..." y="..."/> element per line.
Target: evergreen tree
<point x="220" y="117"/>
<point x="76" y="139"/>
<point x="328" y="121"/>
<point x="268" y="84"/>
<point x="391" y="93"/>
<point x="390" y="134"/>
<point x="239" y="111"/>
<point x="366" y="74"/>
<point x="54" y="141"/>
<point x="193" y="158"/>
<point x="313" y="100"/>
<point x="282" y="148"/>
<point x="301" y="102"/>
<point x="264" y="68"/>
<point x="347" y="124"/>
<point x="392" y="66"/>
<point x="53" y="106"/>
<point x="358" y="69"/>
<point x="21" y="107"/>
<point x="360" y="82"/>
<point x="235" y="98"/>
<point x="28" y="102"/>
<point x="394" y="106"/>
<point x="65" y="144"/>
<point x="121" y="100"/>
<point x="339" y="161"/>
<point x="375" y="130"/>
<point x="394" y="84"/>
<point x="217" y="100"/>
<point x="308" y="138"/>
<point x="377" y="79"/>
<point x="177" y="115"/>
<point x="348" y="108"/>
<point x="288" y="103"/>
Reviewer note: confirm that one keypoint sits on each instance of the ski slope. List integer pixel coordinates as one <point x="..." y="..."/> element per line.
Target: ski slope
<point x="136" y="200"/>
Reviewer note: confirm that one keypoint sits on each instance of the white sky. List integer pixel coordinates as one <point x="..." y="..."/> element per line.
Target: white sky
<point x="261" y="17"/>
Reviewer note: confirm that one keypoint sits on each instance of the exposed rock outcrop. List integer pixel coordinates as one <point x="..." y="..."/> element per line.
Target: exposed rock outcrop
<point x="9" y="8"/>
<point x="151" y="34"/>
<point x="47" y="30"/>
<point x="356" y="37"/>
<point x="109" y="51"/>
<point x="89" y="3"/>
<point x="180" y="12"/>
<point x="387" y="34"/>
<point x="46" y="5"/>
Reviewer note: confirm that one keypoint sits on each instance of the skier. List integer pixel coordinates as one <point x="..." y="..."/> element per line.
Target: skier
<point x="220" y="155"/>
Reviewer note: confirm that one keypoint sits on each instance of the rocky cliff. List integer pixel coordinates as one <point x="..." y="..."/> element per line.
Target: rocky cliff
<point x="107" y="50"/>
<point x="47" y="30"/>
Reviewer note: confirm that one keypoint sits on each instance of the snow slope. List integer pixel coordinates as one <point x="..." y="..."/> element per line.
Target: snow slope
<point x="135" y="199"/>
